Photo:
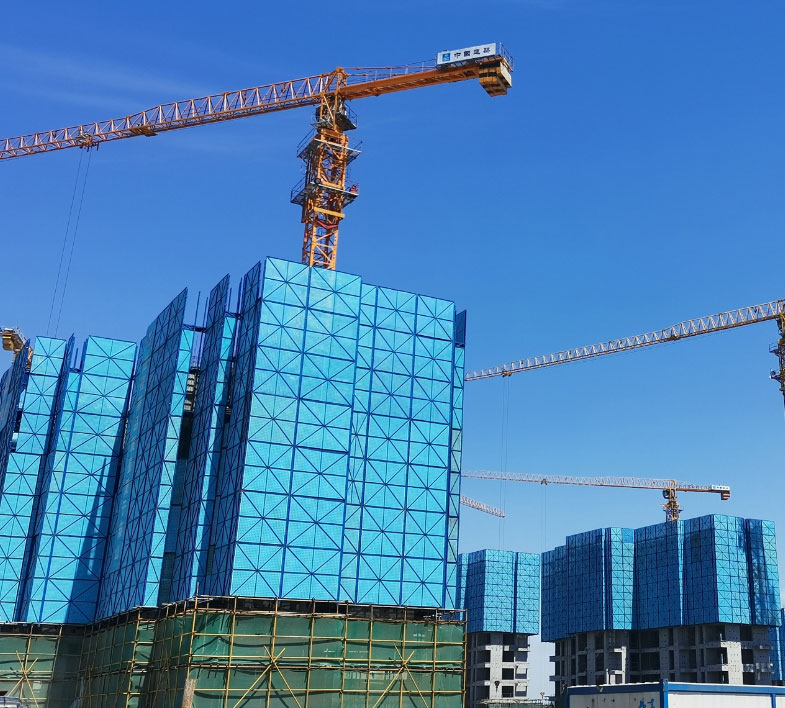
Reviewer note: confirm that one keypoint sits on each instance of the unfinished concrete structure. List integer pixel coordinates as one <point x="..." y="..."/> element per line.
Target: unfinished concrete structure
<point x="691" y="601"/>
<point x="710" y="653"/>
<point x="500" y="591"/>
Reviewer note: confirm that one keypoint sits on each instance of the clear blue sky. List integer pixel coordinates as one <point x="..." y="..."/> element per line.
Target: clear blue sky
<point x="632" y="178"/>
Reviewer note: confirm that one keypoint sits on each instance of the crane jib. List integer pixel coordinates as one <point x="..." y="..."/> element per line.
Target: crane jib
<point x="774" y="310"/>
<point x="229" y="105"/>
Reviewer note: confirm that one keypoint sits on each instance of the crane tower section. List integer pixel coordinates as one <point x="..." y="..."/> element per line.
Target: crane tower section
<point x="324" y="193"/>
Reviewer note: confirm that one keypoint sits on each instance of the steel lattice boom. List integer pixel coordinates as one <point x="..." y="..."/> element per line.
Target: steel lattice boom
<point x="774" y="310"/>
<point x="669" y="487"/>
<point x="347" y="84"/>
<point x="474" y="504"/>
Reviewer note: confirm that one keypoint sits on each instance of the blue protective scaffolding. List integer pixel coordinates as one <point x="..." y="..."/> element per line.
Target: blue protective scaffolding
<point x="307" y="446"/>
<point x="59" y="478"/>
<point x="709" y="569"/>
<point x="500" y="590"/>
<point x="346" y="483"/>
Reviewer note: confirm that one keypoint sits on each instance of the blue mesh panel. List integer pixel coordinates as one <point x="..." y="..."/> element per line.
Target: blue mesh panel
<point x="73" y="517"/>
<point x="401" y="519"/>
<point x="11" y="387"/>
<point x="527" y="594"/>
<point x="218" y="570"/>
<point x="700" y="592"/>
<point x="618" y="572"/>
<point x="586" y="610"/>
<point x="26" y="471"/>
<point x="501" y="591"/>
<point x="777" y="637"/>
<point x="193" y="536"/>
<point x="340" y="477"/>
<point x="659" y="575"/>
<point x="135" y="558"/>
<point x="555" y="602"/>
<point x="291" y="510"/>
<point x="764" y="572"/>
<point x="705" y="570"/>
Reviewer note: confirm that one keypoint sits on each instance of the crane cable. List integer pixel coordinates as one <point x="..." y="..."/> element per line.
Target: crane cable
<point x="73" y="238"/>
<point x="505" y="424"/>
<point x="65" y="242"/>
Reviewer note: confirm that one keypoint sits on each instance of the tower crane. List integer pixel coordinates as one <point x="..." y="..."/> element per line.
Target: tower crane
<point x="325" y="191"/>
<point x="669" y="487"/>
<point x="774" y="310"/>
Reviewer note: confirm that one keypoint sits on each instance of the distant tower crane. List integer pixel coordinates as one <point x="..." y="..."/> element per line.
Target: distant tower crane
<point x="669" y="487"/>
<point x="774" y="310"/>
<point x="325" y="191"/>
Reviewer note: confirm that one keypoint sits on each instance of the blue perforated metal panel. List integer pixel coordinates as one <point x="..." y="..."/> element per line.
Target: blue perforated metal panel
<point x="41" y="406"/>
<point x="135" y="556"/>
<point x="710" y="569"/>
<point x="500" y="590"/>
<point x="345" y="484"/>
<point x="319" y="456"/>
<point x="206" y="447"/>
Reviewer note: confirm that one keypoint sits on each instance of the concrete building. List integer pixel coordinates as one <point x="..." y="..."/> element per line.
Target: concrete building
<point x="691" y="601"/>
<point x="303" y="445"/>
<point x="500" y="591"/>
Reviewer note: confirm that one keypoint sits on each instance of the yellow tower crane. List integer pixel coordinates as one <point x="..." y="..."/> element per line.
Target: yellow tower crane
<point x="669" y="487"/>
<point x="325" y="190"/>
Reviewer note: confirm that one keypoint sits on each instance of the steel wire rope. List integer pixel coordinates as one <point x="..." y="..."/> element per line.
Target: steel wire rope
<point x="505" y="424"/>
<point x="65" y="243"/>
<point x="73" y="240"/>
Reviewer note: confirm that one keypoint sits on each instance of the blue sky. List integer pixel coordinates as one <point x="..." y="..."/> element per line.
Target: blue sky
<point x="633" y="177"/>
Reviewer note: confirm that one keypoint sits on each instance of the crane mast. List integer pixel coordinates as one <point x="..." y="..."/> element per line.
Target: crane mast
<point x="669" y="487"/>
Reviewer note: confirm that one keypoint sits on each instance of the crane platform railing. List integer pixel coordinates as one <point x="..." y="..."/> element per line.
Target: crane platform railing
<point x="731" y="319"/>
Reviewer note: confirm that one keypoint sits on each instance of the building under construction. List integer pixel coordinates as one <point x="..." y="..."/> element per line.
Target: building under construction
<point x="692" y="601"/>
<point x="303" y="446"/>
<point x="240" y="652"/>
<point x="501" y="593"/>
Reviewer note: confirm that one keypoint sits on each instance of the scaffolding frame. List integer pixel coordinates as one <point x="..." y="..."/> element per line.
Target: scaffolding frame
<point x="39" y="662"/>
<point x="310" y="657"/>
<point x="239" y="652"/>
